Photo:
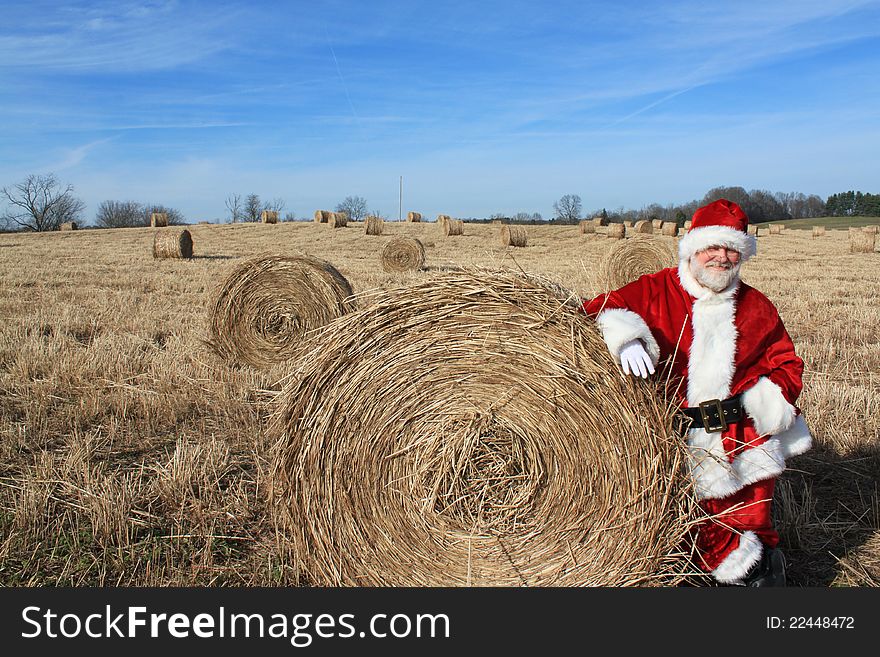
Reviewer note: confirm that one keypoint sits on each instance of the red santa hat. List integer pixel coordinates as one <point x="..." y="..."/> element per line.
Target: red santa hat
<point x="720" y="223"/>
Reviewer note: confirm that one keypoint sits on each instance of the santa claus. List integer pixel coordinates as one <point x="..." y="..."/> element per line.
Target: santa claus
<point x="736" y="374"/>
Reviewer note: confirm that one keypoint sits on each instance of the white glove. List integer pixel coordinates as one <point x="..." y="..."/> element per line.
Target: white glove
<point x="635" y="360"/>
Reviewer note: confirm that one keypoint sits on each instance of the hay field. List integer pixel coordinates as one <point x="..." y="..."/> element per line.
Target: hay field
<point x="133" y="455"/>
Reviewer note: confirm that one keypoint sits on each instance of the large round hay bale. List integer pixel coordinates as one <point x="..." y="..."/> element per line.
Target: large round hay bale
<point x="374" y="225"/>
<point x="322" y="216"/>
<point x="68" y="225"/>
<point x="403" y="254"/>
<point x="629" y="259"/>
<point x="158" y="219"/>
<point x="861" y="241"/>
<point x="752" y="229"/>
<point x="775" y="229"/>
<point x="414" y="216"/>
<point x="818" y="231"/>
<point x="657" y="224"/>
<point x="453" y="227"/>
<point x="512" y="235"/>
<point x="643" y="227"/>
<point x="269" y="217"/>
<point x="600" y="221"/>
<point x="337" y="220"/>
<point x="628" y="223"/>
<point x="470" y="430"/>
<point x="267" y="305"/>
<point x="669" y="228"/>
<point x="689" y="223"/>
<point x="587" y="226"/>
<point x="172" y="244"/>
<point x="616" y="231"/>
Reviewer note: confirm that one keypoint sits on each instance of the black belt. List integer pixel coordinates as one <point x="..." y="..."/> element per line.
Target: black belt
<point x="715" y="414"/>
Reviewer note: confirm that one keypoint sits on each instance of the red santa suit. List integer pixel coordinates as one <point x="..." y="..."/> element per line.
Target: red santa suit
<point x="720" y="344"/>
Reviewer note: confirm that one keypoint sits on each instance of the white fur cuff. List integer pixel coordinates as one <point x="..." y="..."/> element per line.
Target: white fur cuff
<point x="768" y="408"/>
<point x="619" y="326"/>
<point x="795" y="440"/>
<point x="737" y="564"/>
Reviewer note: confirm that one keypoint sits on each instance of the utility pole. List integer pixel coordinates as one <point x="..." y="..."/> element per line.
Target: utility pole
<point x="400" y="202"/>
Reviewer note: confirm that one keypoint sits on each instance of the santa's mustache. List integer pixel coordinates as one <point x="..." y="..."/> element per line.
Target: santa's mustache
<point x="717" y="263"/>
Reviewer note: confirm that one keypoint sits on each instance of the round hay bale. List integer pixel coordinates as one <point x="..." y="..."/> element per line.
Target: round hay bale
<point x="269" y="216"/>
<point x="268" y="304"/>
<point x="453" y="227"/>
<point x="616" y="231"/>
<point x="689" y="223"/>
<point x="870" y="229"/>
<point x="322" y="216"/>
<point x="514" y="235"/>
<point x="496" y="222"/>
<point x="587" y="226"/>
<point x="628" y="223"/>
<point x="172" y="244"/>
<point x="629" y="259"/>
<point x="68" y="225"/>
<point x="600" y="221"/>
<point x="414" y="216"/>
<point x="643" y="227"/>
<point x="775" y="229"/>
<point x="403" y="254"/>
<point x="861" y="241"/>
<point x="337" y="220"/>
<point x="818" y="231"/>
<point x="511" y="454"/>
<point x="761" y="232"/>
<point x="752" y="229"/>
<point x="374" y="225"/>
<point x="158" y="219"/>
<point x="657" y="224"/>
<point x="669" y="228"/>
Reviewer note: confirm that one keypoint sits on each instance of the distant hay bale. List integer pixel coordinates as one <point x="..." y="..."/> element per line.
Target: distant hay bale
<point x="761" y="232"/>
<point x="322" y="216"/>
<point x="600" y="221"/>
<point x="267" y="305"/>
<point x="403" y="254"/>
<point x="775" y="229"/>
<point x="861" y="241"/>
<point x="453" y="227"/>
<point x="374" y="225"/>
<point x="629" y="259"/>
<point x="482" y="466"/>
<point x="443" y="217"/>
<point x="172" y="244"/>
<point x="870" y="229"/>
<point x="628" y="223"/>
<point x="752" y="229"/>
<point x="158" y="219"/>
<point x="587" y="226"/>
<point x="643" y="227"/>
<point x="688" y="224"/>
<point x="337" y="220"/>
<point x="269" y="217"/>
<point x="670" y="229"/>
<point x="616" y="231"/>
<point x="512" y="235"/>
<point x="68" y="225"/>
<point x="818" y="231"/>
<point x="657" y="224"/>
<point x="496" y="222"/>
<point x="204" y="223"/>
<point x="414" y="216"/>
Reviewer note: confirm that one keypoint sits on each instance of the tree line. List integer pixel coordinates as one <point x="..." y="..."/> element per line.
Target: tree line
<point x="42" y="203"/>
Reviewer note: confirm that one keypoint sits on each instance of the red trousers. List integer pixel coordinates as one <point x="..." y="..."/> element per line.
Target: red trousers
<point x="747" y="509"/>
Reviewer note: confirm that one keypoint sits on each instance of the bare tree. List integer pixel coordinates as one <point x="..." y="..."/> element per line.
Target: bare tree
<point x="275" y="205"/>
<point x="290" y="216"/>
<point x="354" y="206"/>
<point x="568" y="208"/>
<point x="119" y="214"/>
<point x="234" y="207"/>
<point x="39" y="204"/>
<point x="252" y="208"/>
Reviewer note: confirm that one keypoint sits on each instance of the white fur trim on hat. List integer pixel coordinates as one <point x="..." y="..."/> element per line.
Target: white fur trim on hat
<point x="737" y="564"/>
<point x="698" y="239"/>
<point x="768" y="408"/>
<point x="619" y="326"/>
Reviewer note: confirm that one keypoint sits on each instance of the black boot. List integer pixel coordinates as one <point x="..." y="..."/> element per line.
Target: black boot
<point x="769" y="571"/>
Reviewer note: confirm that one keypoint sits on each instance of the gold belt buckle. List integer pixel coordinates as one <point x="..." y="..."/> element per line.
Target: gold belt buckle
<point x="704" y="413"/>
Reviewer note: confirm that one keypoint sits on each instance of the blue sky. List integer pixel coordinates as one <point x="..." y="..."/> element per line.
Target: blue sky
<point x="482" y="107"/>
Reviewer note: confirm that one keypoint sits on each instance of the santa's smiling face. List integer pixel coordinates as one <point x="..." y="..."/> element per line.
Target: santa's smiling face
<point x="716" y="267"/>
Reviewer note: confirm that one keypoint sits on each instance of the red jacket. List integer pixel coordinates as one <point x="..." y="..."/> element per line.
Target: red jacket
<point x="717" y="345"/>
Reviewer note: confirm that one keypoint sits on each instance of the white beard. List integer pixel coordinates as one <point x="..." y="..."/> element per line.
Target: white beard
<point x="717" y="281"/>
